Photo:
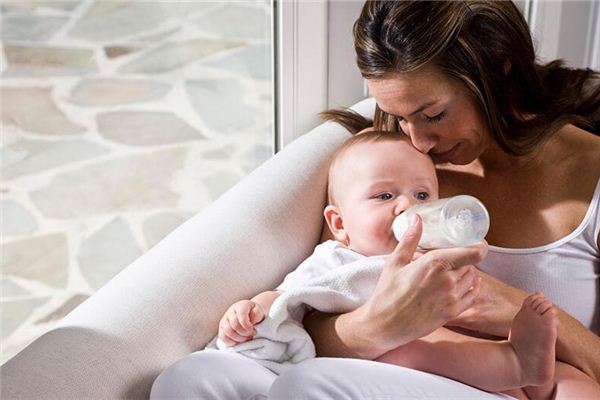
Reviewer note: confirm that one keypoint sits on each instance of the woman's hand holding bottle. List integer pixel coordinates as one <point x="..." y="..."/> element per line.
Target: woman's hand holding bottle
<point x="413" y="298"/>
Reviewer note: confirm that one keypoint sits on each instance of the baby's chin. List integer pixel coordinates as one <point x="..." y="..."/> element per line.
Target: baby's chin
<point x="374" y="251"/>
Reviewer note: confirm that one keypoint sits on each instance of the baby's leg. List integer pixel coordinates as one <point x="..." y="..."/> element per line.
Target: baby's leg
<point x="488" y="365"/>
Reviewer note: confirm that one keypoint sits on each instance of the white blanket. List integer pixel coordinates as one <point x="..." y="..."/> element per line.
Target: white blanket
<point x="281" y="340"/>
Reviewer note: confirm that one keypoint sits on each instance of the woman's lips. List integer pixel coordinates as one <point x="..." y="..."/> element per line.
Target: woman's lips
<point x="446" y="155"/>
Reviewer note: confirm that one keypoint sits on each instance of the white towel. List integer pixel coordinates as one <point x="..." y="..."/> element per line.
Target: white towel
<point x="281" y="340"/>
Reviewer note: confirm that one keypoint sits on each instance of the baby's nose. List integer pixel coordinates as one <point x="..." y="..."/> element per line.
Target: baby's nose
<point x="402" y="203"/>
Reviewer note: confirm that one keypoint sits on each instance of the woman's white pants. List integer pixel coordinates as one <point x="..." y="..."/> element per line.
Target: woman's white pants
<point x="222" y="375"/>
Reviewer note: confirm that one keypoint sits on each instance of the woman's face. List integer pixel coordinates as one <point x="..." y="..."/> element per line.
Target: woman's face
<point x="439" y="114"/>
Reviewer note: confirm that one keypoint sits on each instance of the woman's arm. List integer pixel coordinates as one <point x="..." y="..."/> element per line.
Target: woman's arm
<point x="578" y="346"/>
<point x="498" y="303"/>
<point x="411" y="299"/>
<point x="343" y="335"/>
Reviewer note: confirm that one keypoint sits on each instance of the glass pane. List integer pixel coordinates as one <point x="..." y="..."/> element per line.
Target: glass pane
<point x="120" y="120"/>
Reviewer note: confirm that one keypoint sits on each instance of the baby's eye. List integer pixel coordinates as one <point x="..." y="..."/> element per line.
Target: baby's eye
<point x="385" y="196"/>
<point x="422" y="196"/>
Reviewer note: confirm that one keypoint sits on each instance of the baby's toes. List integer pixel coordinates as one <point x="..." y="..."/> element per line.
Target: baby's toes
<point x="530" y="300"/>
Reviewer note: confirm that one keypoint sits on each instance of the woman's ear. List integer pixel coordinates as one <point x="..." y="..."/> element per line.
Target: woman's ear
<point x="336" y="223"/>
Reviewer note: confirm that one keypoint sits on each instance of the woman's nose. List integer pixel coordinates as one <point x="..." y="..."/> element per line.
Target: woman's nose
<point x="421" y="139"/>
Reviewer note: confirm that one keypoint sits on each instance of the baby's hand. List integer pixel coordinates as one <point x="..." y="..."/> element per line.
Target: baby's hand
<point x="237" y="325"/>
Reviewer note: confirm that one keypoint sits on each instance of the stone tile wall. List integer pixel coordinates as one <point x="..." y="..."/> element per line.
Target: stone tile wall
<point x="120" y="120"/>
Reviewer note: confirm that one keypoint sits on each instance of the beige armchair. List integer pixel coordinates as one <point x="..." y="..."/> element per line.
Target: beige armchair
<point x="168" y="303"/>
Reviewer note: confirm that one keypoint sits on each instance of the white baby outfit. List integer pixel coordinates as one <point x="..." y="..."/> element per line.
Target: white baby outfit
<point x="332" y="280"/>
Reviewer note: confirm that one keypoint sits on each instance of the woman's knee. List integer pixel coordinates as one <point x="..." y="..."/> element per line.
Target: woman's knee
<point x="212" y="374"/>
<point x="348" y="379"/>
<point x="316" y="378"/>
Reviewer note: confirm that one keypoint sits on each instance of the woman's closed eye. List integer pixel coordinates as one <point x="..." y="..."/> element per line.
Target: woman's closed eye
<point x="435" y="118"/>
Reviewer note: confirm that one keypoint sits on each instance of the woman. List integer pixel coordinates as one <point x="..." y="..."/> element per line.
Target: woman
<point x="460" y="80"/>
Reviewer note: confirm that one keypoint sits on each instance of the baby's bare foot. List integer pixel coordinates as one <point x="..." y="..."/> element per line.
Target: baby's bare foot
<point x="533" y="336"/>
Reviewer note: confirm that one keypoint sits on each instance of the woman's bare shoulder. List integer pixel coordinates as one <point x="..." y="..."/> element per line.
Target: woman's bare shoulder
<point x="576" y="170"/>
<point x="583" y="150"/>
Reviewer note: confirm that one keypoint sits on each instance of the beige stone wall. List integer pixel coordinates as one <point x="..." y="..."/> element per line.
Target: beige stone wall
<point x="120" y="120"/>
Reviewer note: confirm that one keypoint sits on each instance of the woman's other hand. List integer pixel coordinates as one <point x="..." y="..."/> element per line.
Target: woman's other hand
<point x="493" y="310"/>
<point x="413" y="298"/>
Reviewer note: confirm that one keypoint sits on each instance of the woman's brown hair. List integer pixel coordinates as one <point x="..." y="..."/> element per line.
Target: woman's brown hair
<point x="487" y="46"/>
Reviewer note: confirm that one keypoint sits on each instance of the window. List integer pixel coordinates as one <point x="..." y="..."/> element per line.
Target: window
<point x="120" y="120"/>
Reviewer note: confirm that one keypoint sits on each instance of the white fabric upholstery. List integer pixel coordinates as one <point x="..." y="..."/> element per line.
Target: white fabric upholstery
<point x="168" y="303"/>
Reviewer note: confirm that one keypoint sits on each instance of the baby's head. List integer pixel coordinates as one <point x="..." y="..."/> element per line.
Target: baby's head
<point x="374" y="177"/>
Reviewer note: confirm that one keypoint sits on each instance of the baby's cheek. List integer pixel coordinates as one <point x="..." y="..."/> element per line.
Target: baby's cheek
<point x="383" y="238"/>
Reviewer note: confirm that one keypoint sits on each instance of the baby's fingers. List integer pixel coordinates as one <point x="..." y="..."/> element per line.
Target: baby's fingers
<point x="223" y="329"/>
<point x="234" y="330"/>
<point x="227" y="340"/>
<point x="243" y="316"/>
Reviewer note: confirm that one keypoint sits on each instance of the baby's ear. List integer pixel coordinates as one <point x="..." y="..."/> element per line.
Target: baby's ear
<point x="336" y="223"/>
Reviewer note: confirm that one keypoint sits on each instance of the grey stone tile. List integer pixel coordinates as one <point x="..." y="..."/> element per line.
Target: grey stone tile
<point x="11" y="289"/>
<point x="26" y="157"/>
<point x="251" y="61"/>
<point x="156" y="37"/>
<point x="217" y="154"/>
<point x="14" y="313"/>
<point x="39" y="258"/>
<point x="111" y="92"/>
<point x="136" y="182"/>
<point x="65" y="5"/>
<point x="145" y="128"/>
<point x="31" y="27"/>
<point x="170" y="56"/>
<point x="16" y="220"/>
<point x="33" y="61"/>
<point x="64" y="309"/>
<point x="106" y="252"/>
<point x="182" y="10"/>
<point x="157" y="227"/>
<point x="33" y="109"/>
<point x="221" y="181"/>
<point x="210" y="99"/>
<point x="238" y="21"/>
<point x="37" y="5"/>
<point x="111" y="20"/>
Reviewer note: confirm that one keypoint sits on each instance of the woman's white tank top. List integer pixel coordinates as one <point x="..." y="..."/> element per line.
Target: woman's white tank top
<point x="567" y="270"/>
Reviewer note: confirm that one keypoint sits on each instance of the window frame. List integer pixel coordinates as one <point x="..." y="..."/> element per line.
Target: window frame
<point x="312" y="39"/>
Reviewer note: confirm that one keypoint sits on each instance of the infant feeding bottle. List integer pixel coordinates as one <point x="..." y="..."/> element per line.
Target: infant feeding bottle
<point x="451" y="222"/>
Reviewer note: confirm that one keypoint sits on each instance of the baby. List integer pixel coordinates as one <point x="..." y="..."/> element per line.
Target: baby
<point x="374" y="177"/>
